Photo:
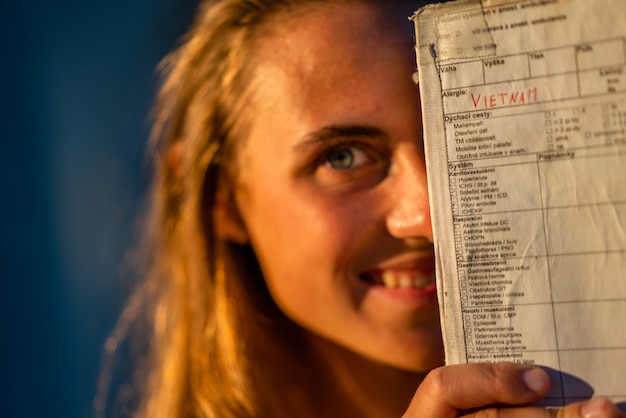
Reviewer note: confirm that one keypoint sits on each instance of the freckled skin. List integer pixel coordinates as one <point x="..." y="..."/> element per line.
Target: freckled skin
<point x="317" y="228"/>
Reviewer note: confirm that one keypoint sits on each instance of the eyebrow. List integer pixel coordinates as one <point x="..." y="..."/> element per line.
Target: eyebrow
<point x="329" y="133"/>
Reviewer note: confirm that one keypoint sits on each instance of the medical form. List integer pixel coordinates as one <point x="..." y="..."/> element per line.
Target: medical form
<point x="524" y="108"/>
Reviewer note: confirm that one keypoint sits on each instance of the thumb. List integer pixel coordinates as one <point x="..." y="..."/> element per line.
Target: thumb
<point x="447" y="390"/>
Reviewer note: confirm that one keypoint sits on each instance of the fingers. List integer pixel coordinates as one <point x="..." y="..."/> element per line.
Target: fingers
<point x="447" y="390"/>
<point x="595" y="408"/>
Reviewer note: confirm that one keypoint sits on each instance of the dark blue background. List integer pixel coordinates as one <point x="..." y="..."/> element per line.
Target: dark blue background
<point x="77" y="79"/>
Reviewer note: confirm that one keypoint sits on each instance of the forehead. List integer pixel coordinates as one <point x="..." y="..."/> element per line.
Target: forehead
<point x="299" y="39"/>
<point x="329" y="49"/>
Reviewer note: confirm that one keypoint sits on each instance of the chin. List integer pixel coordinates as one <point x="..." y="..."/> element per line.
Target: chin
<point x="419" y="363"/>
<point x="421" y="353"/>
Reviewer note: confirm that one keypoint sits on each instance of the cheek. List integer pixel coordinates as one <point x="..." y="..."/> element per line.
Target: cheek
<point x="306" y="244"/>
<point x="292" y="232"/>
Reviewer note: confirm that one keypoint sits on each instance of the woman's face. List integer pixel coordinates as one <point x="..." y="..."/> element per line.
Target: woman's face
<point x="333" y="191"/>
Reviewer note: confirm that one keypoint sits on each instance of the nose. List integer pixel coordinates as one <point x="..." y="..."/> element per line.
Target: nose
<point x="409" y="212"/>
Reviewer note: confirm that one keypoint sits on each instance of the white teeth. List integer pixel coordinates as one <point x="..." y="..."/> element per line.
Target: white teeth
<point x="405" y="281"/>
<point x="390" y="280"/>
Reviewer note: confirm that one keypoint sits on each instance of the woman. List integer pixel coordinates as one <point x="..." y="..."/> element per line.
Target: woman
<point x="292" y="260"/>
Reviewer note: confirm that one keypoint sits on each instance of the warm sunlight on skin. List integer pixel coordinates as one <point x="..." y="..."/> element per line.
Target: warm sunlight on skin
<point x="333" y="190"/>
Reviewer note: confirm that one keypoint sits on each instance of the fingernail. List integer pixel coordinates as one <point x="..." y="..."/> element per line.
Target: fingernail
<point x="595" y="408"/>
<point x="536" y="380"/>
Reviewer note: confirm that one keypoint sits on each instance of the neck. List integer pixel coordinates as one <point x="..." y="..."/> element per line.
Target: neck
<point x="313" y="377"/>
<point x="351" y="385"/>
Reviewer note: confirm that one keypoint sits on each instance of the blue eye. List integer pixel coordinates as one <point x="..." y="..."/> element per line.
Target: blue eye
<point x="345" y="158"/>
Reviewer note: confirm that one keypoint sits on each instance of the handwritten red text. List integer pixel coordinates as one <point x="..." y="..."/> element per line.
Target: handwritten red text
<point x="505" y="98"/>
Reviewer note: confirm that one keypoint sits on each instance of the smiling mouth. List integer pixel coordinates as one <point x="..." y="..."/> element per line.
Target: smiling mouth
<point x="393" y="280"/>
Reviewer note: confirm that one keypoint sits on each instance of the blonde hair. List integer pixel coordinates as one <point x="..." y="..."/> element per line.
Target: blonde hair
<point x="199" y="291"/>
<point x="204" y="297"/>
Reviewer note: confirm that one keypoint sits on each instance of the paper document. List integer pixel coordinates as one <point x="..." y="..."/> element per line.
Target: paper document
<point x="524" y="106"/>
